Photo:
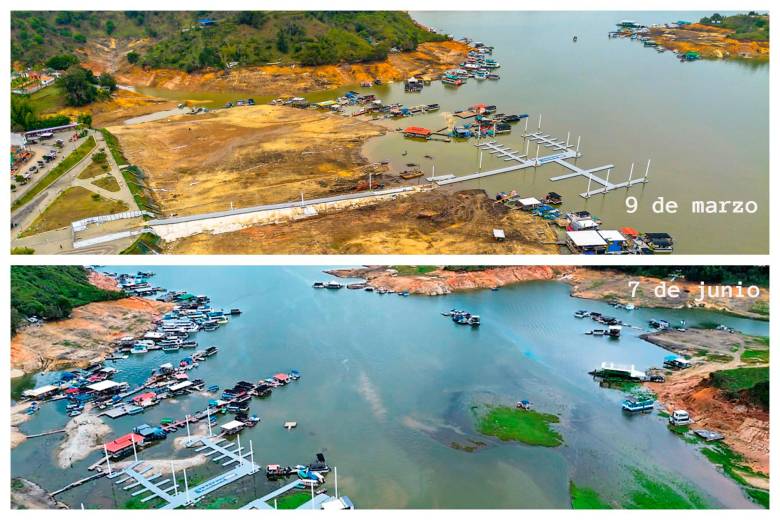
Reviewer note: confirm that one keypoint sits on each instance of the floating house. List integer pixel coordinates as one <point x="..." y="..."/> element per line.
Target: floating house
<point x="585" y="242"/>
<point x="417" y="132"/>
<point x="616" y="371"/>
<point x="43" y="392"/>
<point x="105" y="388"/>
<point x="232" y="427"/>
<point x="616" y="242"/>
<point x="123" y="446"/>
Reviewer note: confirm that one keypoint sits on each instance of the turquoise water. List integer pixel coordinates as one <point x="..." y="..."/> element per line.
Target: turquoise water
<point x="704" y="125"/>
<point x="387" y="385"/>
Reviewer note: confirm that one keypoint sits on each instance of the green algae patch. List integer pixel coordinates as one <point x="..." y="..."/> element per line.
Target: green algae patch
<point x="526" y="426"/>
<point x="586" y="498"/>
<point x="732" y="464"/>
<point x="655" y="494"/>
<point x="293" y="500"/>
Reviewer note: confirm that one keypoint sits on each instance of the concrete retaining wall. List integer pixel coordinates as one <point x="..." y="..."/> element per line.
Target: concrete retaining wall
<point x="234" y="222"/>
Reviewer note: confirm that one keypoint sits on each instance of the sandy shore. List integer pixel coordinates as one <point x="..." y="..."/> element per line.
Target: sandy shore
<point x="26" y="494"/>
<point x="745" y="426"/>
<point x="429" y="60"/>
<point x="18" y="416"/>
<point x="85" y="337"/>
<point x="83" y="435"/>
<point x="440" y="281"/>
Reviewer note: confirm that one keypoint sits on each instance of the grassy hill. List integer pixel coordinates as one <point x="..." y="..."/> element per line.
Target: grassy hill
<point x="751" y="26"/>
<point x="51" y="292"/>
<point x="178" y="40"/>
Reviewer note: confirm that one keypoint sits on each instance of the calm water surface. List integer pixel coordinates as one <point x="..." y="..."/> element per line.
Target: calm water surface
<point x="387" y="385"/>
<point x="704" y="125"/>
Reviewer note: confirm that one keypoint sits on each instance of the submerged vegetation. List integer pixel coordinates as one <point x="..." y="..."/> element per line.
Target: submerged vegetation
<point x="51" y="292"/>
<point x="650" y="493"/>
<point x="586" y="498"/>
<point x="512" y="424"/>
<point x="733" y="465"/>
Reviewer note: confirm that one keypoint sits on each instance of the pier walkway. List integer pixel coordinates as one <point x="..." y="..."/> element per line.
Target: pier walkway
<point x="563" y="153"/>
<point x="155" y="485"/>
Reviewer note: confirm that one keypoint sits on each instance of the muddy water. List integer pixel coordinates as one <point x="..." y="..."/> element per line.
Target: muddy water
<point x="387" y="386"/>
<point x="704" y="125"/>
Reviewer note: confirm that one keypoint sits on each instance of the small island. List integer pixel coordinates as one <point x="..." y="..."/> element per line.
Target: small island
<point x="517" y="424"/>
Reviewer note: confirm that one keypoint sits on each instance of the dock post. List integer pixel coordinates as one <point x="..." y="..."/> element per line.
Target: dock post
<point x="369" y="180"/>
<point x="539" y="126"/>
<point x="527" y="145"/>
<point x="578" y="144"/>
<point x="252" y="455"/>
<point x="480" y="160"/>
<point x="108" y="460"/>
<point x="186" y="486"/>
<point x="175" y="484"/>
<point x="336" y="474"/>
<point x="135" y="453"/>
<point x="568" y="134"/>
<point x="587" y="194"/>
<point x="537" y="155"/>
<point x="647" y="170"/>
<point x="607" y="180"/>
<point x="525" y="132"/>
<point x="187" y="420"/>
<point x="630" y="174"/>
<point x="238" y="438"/>
<point x="433" y="170"/>
<point x="208" y="417"/>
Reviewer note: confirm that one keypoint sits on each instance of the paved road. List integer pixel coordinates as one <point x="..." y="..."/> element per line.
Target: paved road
<point x="61" y="240"/>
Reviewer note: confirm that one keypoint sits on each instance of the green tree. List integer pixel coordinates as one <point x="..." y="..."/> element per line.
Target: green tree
<point x="78" y="84"/>
<point x="132" y="57"/>
<point x="85" y="119"/>
<point x="107" y="80"/>
<point x="61" y="61"/>
<point x="110" y="27"/>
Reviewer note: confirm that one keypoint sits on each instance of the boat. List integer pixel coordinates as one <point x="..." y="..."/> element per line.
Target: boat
<point x="235" y="312"/>
<point x="629" y="307"/>
<point x="474" y="321"/>
<point x="139" y="349"/>
<point x="614" y="331"/>
<point x="637" y="404"/>
<point x="74" y="413"/>
<point x="210" y="351"/>
<point x="333" y="285"/>
<point x="581" y="314"/>
<point x="493" y="76"/>
<point x="171" y="348"/>
<point x="318" y="285"/>
<point x="596" y="332"/>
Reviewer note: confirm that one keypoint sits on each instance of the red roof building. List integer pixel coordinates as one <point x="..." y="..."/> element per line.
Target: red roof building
<point x="282" y="377"/>
<point x="417" y="131"/>
<point x="123" y="443"/>
<point x="147" y="397"/>
<point x="629" y="231"/>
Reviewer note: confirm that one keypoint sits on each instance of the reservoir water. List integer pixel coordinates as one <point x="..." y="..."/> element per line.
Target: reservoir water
<point x="703" y="125"/>
<point x="387" y="388"/>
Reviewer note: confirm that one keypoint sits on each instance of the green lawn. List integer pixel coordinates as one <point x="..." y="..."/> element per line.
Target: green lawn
<point x="56" y="172"/>
<point x="107" y="183"/>
<point x="293" y="500"/>
<point x="48" y="100"/>
<point x="738" y="379"/>
<point x="526" y="426"/>
<point x="755" y="356"/>
<point x="73" y="204"/>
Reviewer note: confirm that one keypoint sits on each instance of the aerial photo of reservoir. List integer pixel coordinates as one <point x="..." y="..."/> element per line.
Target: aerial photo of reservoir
<point x="215" y="387"/>
<point x="387" y="132"/>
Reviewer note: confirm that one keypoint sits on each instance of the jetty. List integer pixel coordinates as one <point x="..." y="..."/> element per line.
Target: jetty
<point x="141" y="480"/>
<point x="563" y="152"/>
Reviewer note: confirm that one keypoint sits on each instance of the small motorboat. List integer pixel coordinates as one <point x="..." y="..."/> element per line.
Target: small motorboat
<point x="74" y="413"/>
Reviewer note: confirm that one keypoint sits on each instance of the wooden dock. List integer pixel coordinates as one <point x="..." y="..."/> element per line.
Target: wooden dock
<point x="563" y="153"/>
